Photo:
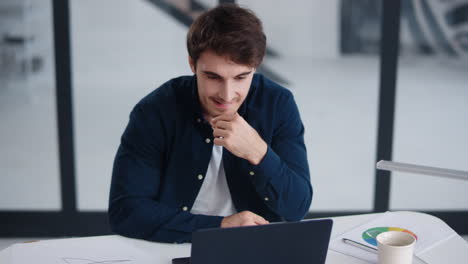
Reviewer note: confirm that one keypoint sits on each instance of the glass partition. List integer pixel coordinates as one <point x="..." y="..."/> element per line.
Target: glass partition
<point x="29" y="163"/>
<point x="328" y="51"/>
<point x="118" y="56"/>
<point x="432" y="111"/>
<point x="325" y="52"/>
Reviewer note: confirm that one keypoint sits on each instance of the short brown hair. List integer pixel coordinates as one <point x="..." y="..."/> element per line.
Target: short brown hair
<point x="228" y="30"/>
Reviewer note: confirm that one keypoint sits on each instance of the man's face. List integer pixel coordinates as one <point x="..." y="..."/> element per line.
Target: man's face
<point x="222" y="84"/>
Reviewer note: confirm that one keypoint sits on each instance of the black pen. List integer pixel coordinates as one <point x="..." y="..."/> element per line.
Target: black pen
<point x="359" y="245"/>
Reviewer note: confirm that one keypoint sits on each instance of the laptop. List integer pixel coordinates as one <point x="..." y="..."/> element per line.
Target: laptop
<point x="276" y="243"/>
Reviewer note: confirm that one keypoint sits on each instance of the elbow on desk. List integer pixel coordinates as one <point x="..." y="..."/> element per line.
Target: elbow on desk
<point x="116" y="223"/>
<point x="121" y="223"/>
<point x="293" y="213"/>
<point x="126" y="222"/>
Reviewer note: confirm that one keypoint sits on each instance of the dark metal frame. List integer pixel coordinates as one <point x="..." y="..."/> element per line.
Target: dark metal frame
<point x="64" y="102"/>
<point x="70" y="222"/>
<point x="388" y="75"/>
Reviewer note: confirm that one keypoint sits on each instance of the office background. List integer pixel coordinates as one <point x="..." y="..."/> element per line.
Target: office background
<point x="72" y="70"/>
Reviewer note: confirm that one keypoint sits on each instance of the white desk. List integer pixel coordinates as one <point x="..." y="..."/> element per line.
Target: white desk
<point x="454" y="250"/>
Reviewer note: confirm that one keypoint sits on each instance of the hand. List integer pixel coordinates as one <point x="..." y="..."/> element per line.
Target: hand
<point x="235" y="134"/>
<point x="245" y="218"/>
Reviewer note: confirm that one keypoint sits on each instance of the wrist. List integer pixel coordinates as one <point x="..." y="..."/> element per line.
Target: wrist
<point x="258" y="153"/>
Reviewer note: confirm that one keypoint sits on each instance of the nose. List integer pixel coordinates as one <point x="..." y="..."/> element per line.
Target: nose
<point x="227" y="92"/>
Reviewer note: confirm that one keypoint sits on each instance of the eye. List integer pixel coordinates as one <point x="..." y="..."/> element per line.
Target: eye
<point x="212" y="77"/>
<point x="240" y="77"/>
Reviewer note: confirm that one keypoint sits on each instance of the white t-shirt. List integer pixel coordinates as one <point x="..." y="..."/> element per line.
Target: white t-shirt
<point x="214" y="197"/>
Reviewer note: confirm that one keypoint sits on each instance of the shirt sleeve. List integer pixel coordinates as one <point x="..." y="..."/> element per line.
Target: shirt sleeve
<point x="282" y="177"/>
<point x="134" y="210"/>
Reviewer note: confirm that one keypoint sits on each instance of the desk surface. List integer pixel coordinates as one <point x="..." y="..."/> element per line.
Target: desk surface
<point x="453" y="251"/>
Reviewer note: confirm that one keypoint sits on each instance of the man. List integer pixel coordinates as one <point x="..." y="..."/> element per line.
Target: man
<point x="222" y="148"/>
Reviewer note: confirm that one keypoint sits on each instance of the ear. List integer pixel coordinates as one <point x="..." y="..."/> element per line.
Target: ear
<point x="192" y="65"/>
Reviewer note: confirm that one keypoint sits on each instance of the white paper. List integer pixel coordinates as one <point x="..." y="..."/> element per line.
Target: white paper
<point x="90" y="250"/>
<point x="5" y="255"/>
<point x="453" y="251"/>
<point x="430" y="232"/>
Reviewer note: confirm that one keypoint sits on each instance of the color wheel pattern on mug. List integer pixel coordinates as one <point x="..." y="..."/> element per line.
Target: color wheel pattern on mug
<point x="370" y="234"/>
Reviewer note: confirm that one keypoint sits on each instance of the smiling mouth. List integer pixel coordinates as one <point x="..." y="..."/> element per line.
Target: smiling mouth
<point x="220" y="104"/>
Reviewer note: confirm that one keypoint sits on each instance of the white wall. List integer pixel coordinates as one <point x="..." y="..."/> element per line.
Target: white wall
<point x="300" y="28"/>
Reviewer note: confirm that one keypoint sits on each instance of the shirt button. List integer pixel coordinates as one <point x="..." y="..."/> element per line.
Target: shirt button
<point x="207" y="140"/>
<point x="266" y="199"/>
<point x="198" y="120"/>
<point x="185" y="208"/>
<point x="252" y="173"/>
<point x="200" y="177"/>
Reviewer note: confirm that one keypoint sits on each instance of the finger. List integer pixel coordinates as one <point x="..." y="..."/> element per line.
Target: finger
<point x="220" y="133"/>
<point x="260" y="220"/>
<point x="249" y="223"/>
<point x="264" y="222"/>
<point x="212" y="122"/>
<point x="219" y="141"/>
<point x="223" y="124"/>
<point x="224" y="117"/>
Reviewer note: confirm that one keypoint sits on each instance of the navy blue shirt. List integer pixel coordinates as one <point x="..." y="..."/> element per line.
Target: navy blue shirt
<point x="167" y="144"/>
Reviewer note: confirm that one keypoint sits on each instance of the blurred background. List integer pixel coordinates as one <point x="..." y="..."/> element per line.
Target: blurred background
<point x="58" y="141"/>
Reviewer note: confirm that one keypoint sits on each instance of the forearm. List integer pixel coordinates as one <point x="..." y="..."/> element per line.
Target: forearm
<point x="285" y="188"/>
<point x="134" y="212"/>
<point x="150" y="220"/>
